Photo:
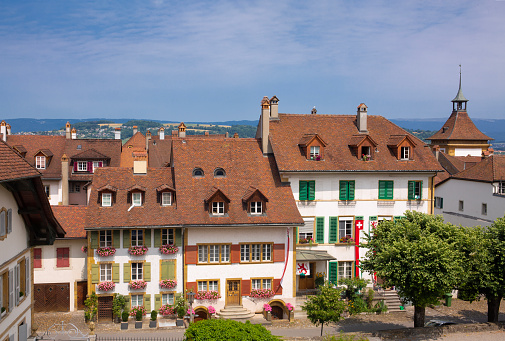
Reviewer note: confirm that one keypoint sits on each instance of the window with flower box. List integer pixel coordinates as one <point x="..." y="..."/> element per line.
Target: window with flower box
<point x="345" y="230"/>
<point x="167" y="236"/>
<point x="255" y="253"/>
<point x="137" y="237"/>
<point x="261" y="283"/>
<point x="213" y="253"/>
<point x="208" y="285"/>
<point x="314" y="152"/>
<point x="105" y="238"/>
<point x="105" y="272"/>
<point x="137" y="300"/>
<point x="137" y="271"/>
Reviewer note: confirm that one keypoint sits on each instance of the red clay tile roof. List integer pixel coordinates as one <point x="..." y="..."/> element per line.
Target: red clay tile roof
<point x="491" y="169"/>
<point x="245" y="166"/>
<point x="72" y="219"/>
<point x="151" y="213"/>
<point x="13" y="166"/>
<point x="459" y="126"/>
<point x="90" y="154"/>
<point x="356" y="140"/>
<point x="136" y="143"/>
<point x="338" y="130"/>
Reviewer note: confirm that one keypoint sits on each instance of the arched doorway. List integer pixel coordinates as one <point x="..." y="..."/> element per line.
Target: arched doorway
<point x="201" y="314"/>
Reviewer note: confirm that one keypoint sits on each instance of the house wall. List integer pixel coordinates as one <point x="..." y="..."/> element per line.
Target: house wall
<point x="77" y="270"/>
<point x="15" y="248"/>
<point x="365" y="204"/>
<point x="473" y="194"/>
<point x="55" y="194"/>
<point x="236" y="235"/>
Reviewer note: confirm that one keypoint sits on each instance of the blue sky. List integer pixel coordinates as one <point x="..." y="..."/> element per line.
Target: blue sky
<point x="215" y="60"/>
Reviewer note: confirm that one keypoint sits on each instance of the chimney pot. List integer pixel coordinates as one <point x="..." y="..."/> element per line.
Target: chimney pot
<point x="313" y="111"/>
<point x="361" y="118"/>
<point x="3" y="130"/>
<point x="117" y="133"/>
<point x="162" y="133"/>
<point x="74" y="134"/>
<point x="134" y="130"/>
<point x="67" y="131"/>
<point x="8" y="129"/>
<point x="182" y="130"/>
<point x="235" y="136"/>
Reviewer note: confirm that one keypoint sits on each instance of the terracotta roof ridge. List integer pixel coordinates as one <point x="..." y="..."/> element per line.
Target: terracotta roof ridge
<point x="24" y="161"/>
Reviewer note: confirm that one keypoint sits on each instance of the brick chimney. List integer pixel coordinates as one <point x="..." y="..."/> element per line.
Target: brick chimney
<point x="117" y="133"/>
<point x="135" y="130"/>
<point x="162" y="133"/>
<point x="74" y="134"/>
<point x="182" y="130"/>
<point x="361" y="118"/>
<point x="3" y="130"/>
<point x="67" y="131"/>
<point x="64" y="179"/>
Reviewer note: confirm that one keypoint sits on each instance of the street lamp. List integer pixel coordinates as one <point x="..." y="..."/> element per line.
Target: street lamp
<point x="191" y="299"/>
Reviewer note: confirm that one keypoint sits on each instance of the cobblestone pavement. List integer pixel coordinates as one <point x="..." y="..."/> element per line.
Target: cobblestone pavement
<point x="460" y="311"/>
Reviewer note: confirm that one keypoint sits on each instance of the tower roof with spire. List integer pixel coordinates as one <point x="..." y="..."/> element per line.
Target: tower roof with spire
<point x="459" y="96"/>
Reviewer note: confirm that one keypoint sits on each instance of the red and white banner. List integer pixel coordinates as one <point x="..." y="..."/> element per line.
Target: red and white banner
<point x="303" y="268"/>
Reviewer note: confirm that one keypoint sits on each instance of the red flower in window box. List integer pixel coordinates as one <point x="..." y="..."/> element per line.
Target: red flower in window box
<point x="207" y="295"/>
<point x="138" y="284"/>
<point x="168" y="249"/>
<point x="106" y="251"/>
<point x="262" y="293"/>
<point x="168" y="283"/>
<point x="137" y="250"/>
<point x="106" y="286"/>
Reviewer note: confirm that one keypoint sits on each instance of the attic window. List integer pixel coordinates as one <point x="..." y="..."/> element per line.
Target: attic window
<point x="198" y="173"/>
<point x="40" y="162"/>
<point x="79" y="147"/>
<point x="256" y="207"/>
<point x="314" y="152"/>
<point x="405" y="153"/>
<point x="218" y="208"/>
<point x="219" y="173"/>
<point x="106" y="199"/>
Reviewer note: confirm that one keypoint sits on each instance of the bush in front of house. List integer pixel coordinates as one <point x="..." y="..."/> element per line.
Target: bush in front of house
<point x="220" y="329"/>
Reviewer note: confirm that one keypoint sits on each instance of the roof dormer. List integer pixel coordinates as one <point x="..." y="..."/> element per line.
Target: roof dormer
<point x="312" y="146"/>
<point x="106" y="195"/>
<point x="254" y="201"/>
<point x="402" y="146"/>
<point x="217" y="203"/>
<point x="136" y="195"/>
<point x="43" y="158"/>
<point x="363" y="147"/>
<point x="165" y="195"/>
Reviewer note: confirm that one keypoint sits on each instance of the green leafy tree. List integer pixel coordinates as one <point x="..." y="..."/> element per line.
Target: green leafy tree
<point x="326" y="307"/>
<point x="420" y="255"/>
<point x="220" y="329"/>
<point x="485" y="264"/>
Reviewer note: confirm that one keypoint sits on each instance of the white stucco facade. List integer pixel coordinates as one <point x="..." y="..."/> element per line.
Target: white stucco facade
<point x="469" y="203"/>
<point x="15" y="273"/>
<point x="55" y="192"/>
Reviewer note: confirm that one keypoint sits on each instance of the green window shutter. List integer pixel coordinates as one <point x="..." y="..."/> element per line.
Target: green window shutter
<point x="389" y="190"/>
<point x="157" y="237"/>
<point x="343" y="190"/>
<point x="147" y="272"/>
<point x="319" y="229"/>
<point x="372" y="218"/>
<point x="412" y="186"/>
<point x="178" y="237"/>
<point x="157" y="302"/>
<point x="164" y="270"/>
<point x="420" y="189"/>
<point x="127" y="301"/>
<point x="147" y="302"/>
<point x="94" y="239"/>
<point x="95" y="273"/>
<point x="115" y="272"/>
<point x="332" y="275"/>
<point x="303" y="190"/>
<point x="333" y="229"/>
<point x="126" y="239"/>
<point x="297" y="234"/>
<point x="147" y="239"/>
<point x="171" y="270"/>
<point x="116" y="239"/>
<point x="177" y="295"/>
<point x="351" y="185"/>
<point x="127" y="270"/>
<point x="382" y="189"/>
<point x="311" y="190"/>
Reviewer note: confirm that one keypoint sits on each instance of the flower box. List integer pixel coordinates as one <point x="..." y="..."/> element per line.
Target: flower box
<point x="106" y="286"/>
<point x="207" y="295"/>
<point x="168" y="249"/>
<point x="134" y="310"/>
<point x="138" y="284"/>
<point x="105" y="251"/>
<point x="166" y="310"/>
<point x="84" y="249"/>
<point x="137" y="250"/>
<point x="168" y="283"/>
<point x="262" y="293"/>
<point x="347" y="240"/>
<point x="305" y="241"/>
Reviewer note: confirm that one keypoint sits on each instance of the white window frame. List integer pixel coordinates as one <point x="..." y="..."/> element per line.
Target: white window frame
<point x="261" y="283"/>
<point x="17" y="283"/>
<point x="40" y="162"/>
<point x="266" y="252"/>
<point x="344" y="269"/>
<point x="347" y="225"/>
<point x="255" y="253"/>
<point x="225" y="253"/>
<point x="136" y="299"/>
<point x="405" y="153"/>
<point x="105" y="238"/>
<point x="208" y="285"/>
<point x="214" y="253"/>
<point x="315" y="151"/>
<point x="137" y="199"/>
<point x="167" y="299"/>
<point x="218" y="207"/>
<point x="501" y="187"/>
<point x="106" y="199"/>
<point x="82" y="166"/>
<point x="96" y="164"/>
<point x="256" y="207"/>
<point x="137" y="271"/>
<point x="137" y="237"/>
<point x="166" y="199"/>
<point x="105" y="272"/>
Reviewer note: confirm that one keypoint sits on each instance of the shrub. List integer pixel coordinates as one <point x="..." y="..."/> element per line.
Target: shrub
<point x="118" y="304"/>
<point x="220" y="329"/>
<point x="138" y="315"/>
<point x="124" y="316"/>
<point x="369" y="298"/>
<point x="136" y="309"/>
<point x="154" y="315"/>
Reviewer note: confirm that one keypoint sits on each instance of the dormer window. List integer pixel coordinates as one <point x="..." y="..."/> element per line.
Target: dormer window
<point x="405" y="153"/>
<point x="314" y="152"/>
<point x="82" y="166"/>
<point x="256" y="207"/>
<point x="137" y="199"/>
<point x="218" y="208"/>
<point x="198" y="173"/>
<point x="219" y="173"/>
<point x="312" y="146"/>
<point x="106" y="199"/>
<point x="40" y="162"/>
<point x="362" y="146"/>
<point x="166" y="198"/>
<point x="97" y="164"/>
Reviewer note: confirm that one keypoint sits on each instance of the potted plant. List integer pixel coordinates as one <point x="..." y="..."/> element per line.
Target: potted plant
<point x="212" y="311"/>
<point x="262" y="293"/>
<point x="180" y="309"/>
<point x="154" y="316"/>
<point x="118" y="305"/>
<point x="268" y="311"/>
<point x="124" y="316"/>
<point x="21" y="294"/>
<point x="207" y="295"/>
<point x="106" y="286"/>
<point x="168" y="283"/>
<point x="138" y="284"/>
<point x="291" y="313"/>
<point x="138" y="319"/>
<point x="91" y="304"/>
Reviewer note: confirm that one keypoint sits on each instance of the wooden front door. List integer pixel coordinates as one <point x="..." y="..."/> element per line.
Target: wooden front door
<point x="82" y="292"/>
<point x="105" y="308"/>
<point x="233" y="292"/>
<point x="52" y="297"/>
<point x="307" y="282"/>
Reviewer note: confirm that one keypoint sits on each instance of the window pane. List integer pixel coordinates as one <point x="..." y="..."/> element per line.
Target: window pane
<point x="267" y="284"/>
<point x="202" y="253"/>
<point x="267" y="252"/>
<point x="213" y="285"/>
<point x="166" y="198"/>
<point x="167" y="299"/>
<point x="202" y="286"/>
<point x="225" y="253"/>
<point x="244" y="253"/>
<point x="255" y="252"/>
<point x="137" y="199"/>
<point x="214" y="253"/>
<point x="256" y="283"/>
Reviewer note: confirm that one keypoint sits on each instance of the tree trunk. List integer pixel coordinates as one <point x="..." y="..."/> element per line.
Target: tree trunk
<point x="493" y="308"/>
<point x="322" y="324"/>
<point x="419" y="316"/>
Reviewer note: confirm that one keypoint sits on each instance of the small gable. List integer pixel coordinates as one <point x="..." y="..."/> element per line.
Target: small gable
<point x="363" y="147"/>
<point x="402" y="146"/>
<point x="312" y="146"/>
